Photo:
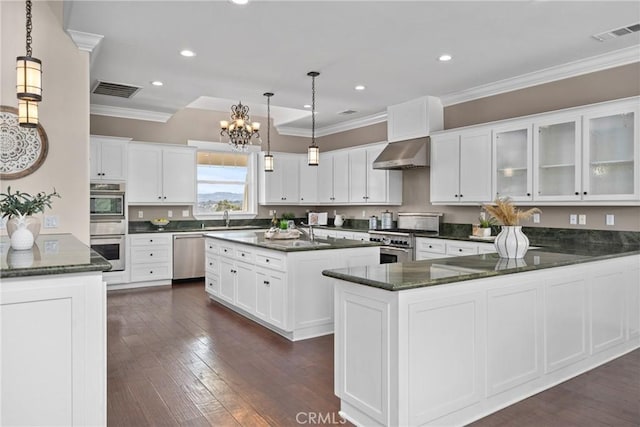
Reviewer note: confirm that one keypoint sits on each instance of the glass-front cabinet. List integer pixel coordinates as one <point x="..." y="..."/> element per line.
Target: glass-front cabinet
<point x="512" y="174"/>
<point x="556" y="159"/>
<point x="610" y="155"/>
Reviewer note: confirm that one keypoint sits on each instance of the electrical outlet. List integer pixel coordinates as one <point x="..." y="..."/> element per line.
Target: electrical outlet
<point x="185" y="213"/>
<point x="610" y="219"/>
<point x="573" y="219"/>
<point x="50" y="221"/>
<point x="364" y="213"/>
<point x="536" y="218"/>
<point x="582" y="219"/>
<point x="271" y="212"/>
<point x="169" y="214"/>
<point x="140" y="214"/>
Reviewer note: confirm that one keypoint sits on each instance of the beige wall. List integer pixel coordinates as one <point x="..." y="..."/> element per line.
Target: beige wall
<point x="64" y="111"/>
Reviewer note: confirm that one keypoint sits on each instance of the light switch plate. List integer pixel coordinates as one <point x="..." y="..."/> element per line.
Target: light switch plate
<point x="610" y="219"/>
<point x="169" y="214"/>
<point x="573" y="219"/>
<point x="536" y="218"/>
<point x="50" y="221"/>
<point x="185" y="213"/>
<point x="140" y="214"/>
<point x="582" y="219"/>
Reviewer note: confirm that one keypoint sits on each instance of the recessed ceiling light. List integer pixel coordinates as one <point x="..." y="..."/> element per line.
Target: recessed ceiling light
<point x="187" y="53"/>
<point x="240" y="1"/>
<point x="445" y="58"/>
<point x="157" y="83"/>
<point x="307" y="105"/>
<point x="360" y="87"/>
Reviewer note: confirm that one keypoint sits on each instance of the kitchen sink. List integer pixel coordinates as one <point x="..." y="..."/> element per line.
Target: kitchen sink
<point x="298" y="244"/>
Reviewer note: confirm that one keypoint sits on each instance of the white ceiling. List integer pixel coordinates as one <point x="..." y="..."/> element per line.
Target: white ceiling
<point x="390" y="46"/>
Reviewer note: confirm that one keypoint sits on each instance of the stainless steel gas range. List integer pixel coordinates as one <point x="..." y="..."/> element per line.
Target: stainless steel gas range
<point x="399" y="243"/>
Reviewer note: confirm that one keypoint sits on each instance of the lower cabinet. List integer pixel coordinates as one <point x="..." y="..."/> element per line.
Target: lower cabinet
<point x="150" y="257"/>
<point x="429" y="248"/>
<point x="284" y="291"/>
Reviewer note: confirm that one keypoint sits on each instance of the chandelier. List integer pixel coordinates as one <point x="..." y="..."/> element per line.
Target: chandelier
<point x="29" y="80"/>
<point x="240" y="132"/>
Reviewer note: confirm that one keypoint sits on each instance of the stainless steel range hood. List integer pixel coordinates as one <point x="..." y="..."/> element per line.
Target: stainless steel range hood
<point x="412" y="153"/>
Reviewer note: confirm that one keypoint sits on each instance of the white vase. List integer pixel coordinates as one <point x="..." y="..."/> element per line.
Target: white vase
<point x="484" y="232"/>
<point x="511" y="242"/>
<point x="338" y="221"/>
<point x="22" y="238"/>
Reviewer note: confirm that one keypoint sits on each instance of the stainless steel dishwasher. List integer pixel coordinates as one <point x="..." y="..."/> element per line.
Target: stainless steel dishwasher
<point x="188" y="256"/>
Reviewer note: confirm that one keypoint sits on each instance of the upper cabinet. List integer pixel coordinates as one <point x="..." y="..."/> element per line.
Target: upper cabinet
<point x="282" y="186"/>
<point x="461" y="167"/>
<point x="373" y="186"/>
<point x="161" y="174"/>
<point x="585" y="154"/>
<point x="414" y="119"/>
<point x="308" y="181"/>
<point x="333" y="178"/>
<point x="108" y="158"/>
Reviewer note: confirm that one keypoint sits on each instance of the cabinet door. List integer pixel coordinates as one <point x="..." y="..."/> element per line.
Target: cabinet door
<point x="512" y="159"/>
<point x="377" y="179"/>
<point x="610" y="155"/>
<point x="272" y="185"/>
<point x="179" y="175"/>
<point x="227" y="280"/>
<point x="308" y="181"/>
<point x="557" y="148"/>
<point x="340" y="177"/>
<point x="144" y="183"/>
<point x="407" y="120"/>
<point x="113" y="159"/>
<point x="325" y="178"/>
<point x="475" y="167"/>
<point x="245" y="287"/>
<point x="277" y="300"/>
<point x="262" y="294"/>
<point x="358" y="175"/>
<point x="94" y="161"/>
<point x="291" y="179"/>
<point x="445" y="172"/>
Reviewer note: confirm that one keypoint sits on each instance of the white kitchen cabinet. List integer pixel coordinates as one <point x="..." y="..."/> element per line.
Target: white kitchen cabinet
<point x="271" y="296"/>
<point x="151" y="257"/>
<point x="461" y="167"/>
<point x="108" y="158"/>
<point x="282" y="186"/>
<point x="161" y="174"/>
<point x="427" y="248"/>
<point x="414" y="119"/>
<point x="333" y="178"/>
<point x="557" y="151"/>
<point x="308" y="182"/>
<point x="369" y="185"/>
<point x="611" y="153"/>
<point x="512" y="160"/>
<point x="430" y="248"/>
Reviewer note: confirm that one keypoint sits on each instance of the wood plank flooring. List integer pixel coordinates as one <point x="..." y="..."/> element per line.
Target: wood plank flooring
<point x="175" y="358"/>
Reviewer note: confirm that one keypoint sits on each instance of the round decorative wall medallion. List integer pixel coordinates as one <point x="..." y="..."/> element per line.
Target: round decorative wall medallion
<point x="22" y="150"/>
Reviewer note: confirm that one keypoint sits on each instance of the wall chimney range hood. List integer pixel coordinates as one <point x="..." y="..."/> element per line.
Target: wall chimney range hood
<point x="413" y="153"/>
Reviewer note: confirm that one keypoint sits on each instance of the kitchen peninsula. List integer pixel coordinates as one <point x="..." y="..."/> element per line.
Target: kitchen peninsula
<point x="448" y="341"/>
<point x="53" y="336"/>
<point x="279" y="283"/>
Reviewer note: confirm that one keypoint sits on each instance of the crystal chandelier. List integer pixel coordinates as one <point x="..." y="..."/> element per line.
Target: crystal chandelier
<point x="240" y="132"/>
<point x="29" y="80"/>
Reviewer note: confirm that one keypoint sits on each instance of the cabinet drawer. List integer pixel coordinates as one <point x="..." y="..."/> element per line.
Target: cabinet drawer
<point x="430" y="245"/>
<point x="145" y="255"/>
<point x="363" y="237"/>
<point x="344" y="235"/>
<point x="486" y="248"/>
<point x="420" y="255"/>
<point x="150" y="240"/>
<point x="226" y="250"/>
<point x="147" y="272"/>
<point x="212" y="265"/>
<point x="242" y="254"/>
<point x="461" y="249"/>
<point x="270" y="260"/>
<point x="211" y="247"/>
<point x="211" y="284"/>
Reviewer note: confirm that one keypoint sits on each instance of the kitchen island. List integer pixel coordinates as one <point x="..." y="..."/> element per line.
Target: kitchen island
<point x="279" y="283"/>
<point x="448" y="341"/>
<point x="53" y="333"/>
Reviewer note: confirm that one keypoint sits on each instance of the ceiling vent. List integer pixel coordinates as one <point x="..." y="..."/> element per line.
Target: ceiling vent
<point x="612" y="34"/>
<point x="115" y="89"/>
<point x="347" y="112"/>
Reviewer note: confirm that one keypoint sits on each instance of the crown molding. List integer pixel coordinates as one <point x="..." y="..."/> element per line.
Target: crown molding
<point x="85" y="41"/>
<point x="571" y="69"/>
<point x="130" y="113"/>
<point x="338" y="127"/>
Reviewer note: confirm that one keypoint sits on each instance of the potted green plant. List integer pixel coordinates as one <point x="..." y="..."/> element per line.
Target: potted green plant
<point x="19" y="208"/>
<point x="485" y="223"/>
<point x="510" y="242"/>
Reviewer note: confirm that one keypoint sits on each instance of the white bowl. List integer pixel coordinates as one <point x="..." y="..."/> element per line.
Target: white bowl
<point x="159" y="223"/>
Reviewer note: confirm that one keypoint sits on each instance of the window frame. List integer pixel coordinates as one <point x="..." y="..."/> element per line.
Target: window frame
<point x="252" y="180"/>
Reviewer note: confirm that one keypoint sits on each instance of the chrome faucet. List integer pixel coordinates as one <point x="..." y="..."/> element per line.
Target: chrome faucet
<point x="309" y="233"/>
<point x="225" y="216"/>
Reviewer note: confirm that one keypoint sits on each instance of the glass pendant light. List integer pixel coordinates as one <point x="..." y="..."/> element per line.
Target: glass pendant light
<point x="314" y="150"/>
<point x="268" y="158"/>
<point x="28" y="69"/>
<point x="27" y="113"/>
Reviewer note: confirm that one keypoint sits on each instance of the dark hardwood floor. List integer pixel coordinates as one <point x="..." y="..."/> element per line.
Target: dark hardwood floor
<point x="176" y="358"/>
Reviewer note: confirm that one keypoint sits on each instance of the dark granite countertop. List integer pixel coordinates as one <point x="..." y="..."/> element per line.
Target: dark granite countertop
<point x="256" y="238"/>
<point x="51" y="254"/>
<point x="418" y="274"/>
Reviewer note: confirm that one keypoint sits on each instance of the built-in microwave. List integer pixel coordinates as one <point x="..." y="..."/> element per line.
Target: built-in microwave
<point x="106" y="201"/>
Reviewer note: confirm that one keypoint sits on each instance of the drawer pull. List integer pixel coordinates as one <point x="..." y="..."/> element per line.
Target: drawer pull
<point x="150" y="254"/>
<point x="460" y="250"/>
<point x="151" y="272"/>
<point x="150" y="240"/>
<point x="430" y="247"/>
<point x="267" y="260"/>
<point x="266" y="282"/>
<point x="242" y="254"/>
<point x="210" y="263"/>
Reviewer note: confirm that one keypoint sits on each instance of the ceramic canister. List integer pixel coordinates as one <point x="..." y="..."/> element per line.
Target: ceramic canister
<point x="386" y="220"/>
